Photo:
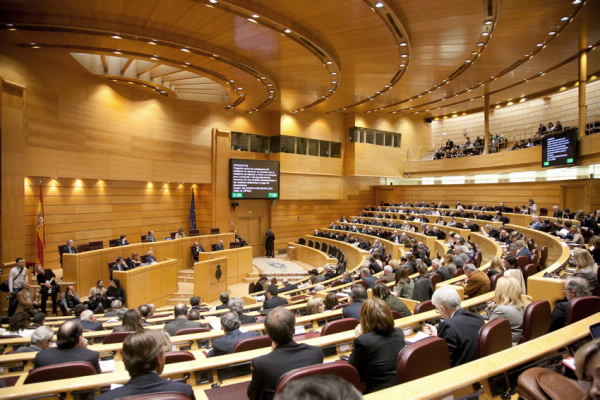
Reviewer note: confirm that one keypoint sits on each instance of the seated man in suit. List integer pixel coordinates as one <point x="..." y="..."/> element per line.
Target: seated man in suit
<point x="218" y="246"/>
<point x="522" y="249"/>
<point x="366" y="276"/>
<point x="287" y="286"/>
<point x="272" y="299"/>
<point x="196" y="304"/>
<point x="41" y="339"/>
<point x="196" y="250"/>
<point x="460" y="328"/>
<point x="286" y="355"/>
<point x="230" y="323"/>
<point x="69" y="248"/>
<point x="115" y="305"/>
<point x="150" y="257"/>
<point x="236" y="305"/>
<point x="89" y="322"/>
<point x="478" y="282"/>
<point x="70" y="346"/>
<point x="574" y="287"/>
<point x="120" y="265"/>
<point x="150" y="237"/>
<point x="181" y="320"/>
<point x="224" y="297"/>
<point x="144" y="358"/>
<point x="122" y="241"/>
<point x="358" y="295"/>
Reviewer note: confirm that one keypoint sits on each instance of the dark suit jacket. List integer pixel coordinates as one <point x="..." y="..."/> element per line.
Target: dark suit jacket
<point x="370" y="281"/>
<point x="179" y="324"/>
<point x="559" y="315"/>
<point x="267" y="369"/>
<point x="352" y="311"/>
<point x="461" y="332"/>
<point x="148" y="383"/>
<point x="374" y="356"/>
<point x="221" y="307"/>
<point x="246" y="319"/>
<point x="91" y="325"/>
<point x="56" y="356"/>
<point x="226" y="344"/>
<point x="288" y="287"/>
<point x="273" y="302"/>
<point x="196" y="252"/>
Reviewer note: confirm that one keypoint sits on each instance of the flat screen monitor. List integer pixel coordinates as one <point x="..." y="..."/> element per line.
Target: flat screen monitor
<point x="253" y="179"/>
<point x="559" y="149"/>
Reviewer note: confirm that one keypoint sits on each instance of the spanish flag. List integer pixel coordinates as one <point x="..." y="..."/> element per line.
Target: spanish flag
<point x="41" y="237"/>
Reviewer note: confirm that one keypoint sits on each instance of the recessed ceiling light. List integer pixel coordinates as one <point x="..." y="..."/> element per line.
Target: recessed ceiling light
<point x="540" y="44"/>
<point x="116" y="36"/>
<point x="333" y="72"/>
<point x="329" y="62"/>
<point x="379" y="4"/>
<point x="240" y="88"/>
<point x="269" y="84"/>
<point x="155" y="58"/>
<point x="288" y="30"/>
<point x="252" y="20"/>
<point x="131" y="83"/>
<point x="185" y="49"/>
<point x="334" y="82"/>
<point x="152" y="42"/>
<point x="403" y="44"/>
<point x="255" y="16"/>
<point x="187" y="63"/>
<point x="489" y="22"/>
<point x="117" y="52"/>
<point x="564" y="19"/>
<point x="576" y="1"/>
<point x="402" y="65"/>
<point x="213" y="1"/>
<point x="485" y="34"/>
<point x="468" y="61"/>
<point x="404" y="55"/>
<point x="552" y="33"/>
<point x="480" y="44"/>
<point x="474" y="53"/>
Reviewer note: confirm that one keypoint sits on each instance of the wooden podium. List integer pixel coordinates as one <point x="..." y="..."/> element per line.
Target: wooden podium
<point x="210" y="278"/>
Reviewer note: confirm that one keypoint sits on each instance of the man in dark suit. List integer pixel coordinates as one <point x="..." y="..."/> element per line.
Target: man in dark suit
<point x="181" y="320"/>
<point x="366" y="276"/>
<point x="88" y="321"/>
<point x="218" y="246"/>
<point x="358" y="295"/>
<point x="273" y="300"/>
<point x="574" y="287"/>
<point x="230" y="323"/>
<point x="196" y="250"/>
<point x="150" y="258"/>
<point x="236" y="305"/>
<point x="287" y="286"/>
<point x="144" y="359"/>
<point x="69" y="248"/>
<point x="41" y="339"/>
<point x="196" y="304"/>
<point x="224" y="297"/>
<point x="460" y="328"/>
<point x="70" y="346"/>
<point x="286" y="355"/>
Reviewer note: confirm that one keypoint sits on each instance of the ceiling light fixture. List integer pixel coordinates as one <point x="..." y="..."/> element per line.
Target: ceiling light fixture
<point x="379" y="4"/>
<point x="116" y="36"/>
<point x="287" y="30"/>
<point x="185" y="49"/>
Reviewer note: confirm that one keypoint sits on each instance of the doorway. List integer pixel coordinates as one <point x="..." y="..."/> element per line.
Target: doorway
<point x="250" y="229"/>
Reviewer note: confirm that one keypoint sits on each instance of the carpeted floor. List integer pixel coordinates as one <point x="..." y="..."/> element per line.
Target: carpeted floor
<point x="279" y="266"/>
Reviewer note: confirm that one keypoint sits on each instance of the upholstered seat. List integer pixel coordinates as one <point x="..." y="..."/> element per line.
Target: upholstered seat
<point x="536" y="320"/>
<point x="66" y="370"/>
<point x="252" y="343"/>
<point x="494" y="336"/>
<point x="340" y="325"/>
<point x="339" y="368"/>
<point x="422" y="358"/>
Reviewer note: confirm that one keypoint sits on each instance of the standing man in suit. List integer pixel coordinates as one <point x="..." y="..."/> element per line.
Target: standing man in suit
<point x="460" y="328"/>
<point x="270" y="243"/>
<point x="181" y="320"/>
<point x="230" y="323"/>
<point x="144" y="358"/>
<point x="286" y="355"/>
<point x="70" y="346"/>
<point x="358" y="295"/>
<point x="196" y="250"/>
<point x="272" y="299"/>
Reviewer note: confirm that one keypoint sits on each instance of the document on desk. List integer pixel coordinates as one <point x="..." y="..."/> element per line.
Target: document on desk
<point x="107" y="365"/>
<point x="418" y="336"/>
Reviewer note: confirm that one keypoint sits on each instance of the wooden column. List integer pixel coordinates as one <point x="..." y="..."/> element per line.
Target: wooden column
<point x="583" y="57"/>
<point x="486" y="120"/>
<point x="13" y="170"/>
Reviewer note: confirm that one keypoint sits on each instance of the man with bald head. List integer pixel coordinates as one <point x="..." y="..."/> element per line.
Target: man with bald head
<point x="70" y="346"/>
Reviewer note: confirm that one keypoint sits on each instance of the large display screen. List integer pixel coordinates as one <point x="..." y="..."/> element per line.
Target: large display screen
<point x="559" y="149"/>
<point x="253" y="179"/>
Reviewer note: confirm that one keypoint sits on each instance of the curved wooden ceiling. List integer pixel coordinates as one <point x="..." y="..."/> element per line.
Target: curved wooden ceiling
<point x="428" y="58"/>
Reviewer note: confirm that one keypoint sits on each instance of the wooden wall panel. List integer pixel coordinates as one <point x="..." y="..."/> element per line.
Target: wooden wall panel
<point x="545" y="194"/>
<point x="88" y="210"/>
<point x="521" y="118"/>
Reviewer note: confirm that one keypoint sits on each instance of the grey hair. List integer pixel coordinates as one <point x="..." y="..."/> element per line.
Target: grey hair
<point x="230" y="321"/>
<point x="520" y="244"/>
<point x="86" y="315"/>
<point x="388" y="268"/>
<point x="579" y="285"/>
<point x="236" y="304"/>
<point x="436" y="262"/>
<point x="446" y="296"/>
<point x="42" y="334"/>
<point x="470" y="267"/>
<point x="116" y="304"/>
<point x="121" y="313"/>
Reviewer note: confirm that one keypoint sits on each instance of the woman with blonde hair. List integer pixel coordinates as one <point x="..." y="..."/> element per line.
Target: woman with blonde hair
<point x="510" y="305"/>
<point x="585" y="267"/>
<point x="518" y="275"/>
<point x="315" y="305"/>
<point x="375" y="351"/>
<point x="496" y="267"/>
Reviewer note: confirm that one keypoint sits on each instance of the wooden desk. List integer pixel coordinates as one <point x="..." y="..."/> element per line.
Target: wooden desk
<point x="479" y="371"/>
<point x="239" y="262"/>
<point x="153" y="284"/>
<point x="88" y="267"/>
<point x="312" y="256"/>
<point x="395" y="249"/>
